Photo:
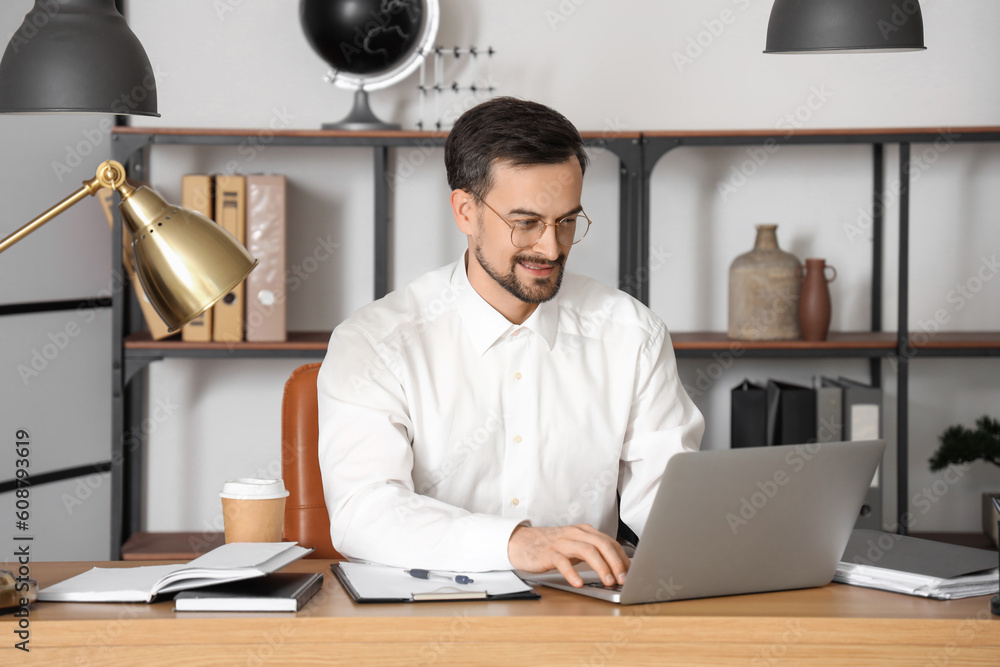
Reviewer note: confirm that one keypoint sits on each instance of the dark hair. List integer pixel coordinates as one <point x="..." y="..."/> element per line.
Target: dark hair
<point x="508" y="130"/>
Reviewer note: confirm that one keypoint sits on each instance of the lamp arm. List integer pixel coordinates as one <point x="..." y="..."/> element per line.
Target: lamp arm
<point x="110" y="174"/>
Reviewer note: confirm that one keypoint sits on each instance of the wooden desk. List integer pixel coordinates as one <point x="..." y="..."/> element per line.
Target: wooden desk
<point x="832" y="625"/>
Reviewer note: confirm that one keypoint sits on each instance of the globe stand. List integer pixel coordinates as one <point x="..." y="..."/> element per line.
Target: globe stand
<point x="361" y="116"/>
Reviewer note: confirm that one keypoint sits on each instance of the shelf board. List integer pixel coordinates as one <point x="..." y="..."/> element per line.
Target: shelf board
<point x="186" y="134"/>
<point x="695" y="344"/>
<point x="299" y="344"/>
<point x="821" y="135"/>
<point x="955" y="344"/>
<point x="687" y="344"/>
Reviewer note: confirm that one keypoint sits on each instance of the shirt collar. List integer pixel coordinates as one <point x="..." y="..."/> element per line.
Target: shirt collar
<point x="486" y="325"/>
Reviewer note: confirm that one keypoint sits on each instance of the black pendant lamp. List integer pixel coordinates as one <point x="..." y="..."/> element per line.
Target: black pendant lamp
<point x="76" y="56"/>
<point x="845" y="26"/>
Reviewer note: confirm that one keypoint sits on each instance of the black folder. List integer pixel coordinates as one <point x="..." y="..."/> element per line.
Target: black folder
<point x="791" y="412"/>
<point x="748" y="415"/>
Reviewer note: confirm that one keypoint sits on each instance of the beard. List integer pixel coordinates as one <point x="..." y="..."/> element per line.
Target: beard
<point x="536" y="290"/>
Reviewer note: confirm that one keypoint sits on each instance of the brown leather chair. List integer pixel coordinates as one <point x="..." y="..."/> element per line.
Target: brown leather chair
<point x="306" y="519"/>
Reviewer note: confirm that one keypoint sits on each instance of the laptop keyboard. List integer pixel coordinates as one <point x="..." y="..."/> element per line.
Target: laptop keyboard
<point x="598" y="584"/>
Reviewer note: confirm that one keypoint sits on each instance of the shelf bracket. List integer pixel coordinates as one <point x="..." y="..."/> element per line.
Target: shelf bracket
<point x="134" y="365"/>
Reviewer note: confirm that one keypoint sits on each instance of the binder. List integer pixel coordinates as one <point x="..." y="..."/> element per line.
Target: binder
<point x="265" y="286"/>
<point x="829" y="411"/>
<point x="748" y="415"/>
<point x="196" y="195"/>
<point x="862" y="418"/>
<point x="791" y="413"/>
<point x="230" y="212"/>
<point x="157" y="327"/>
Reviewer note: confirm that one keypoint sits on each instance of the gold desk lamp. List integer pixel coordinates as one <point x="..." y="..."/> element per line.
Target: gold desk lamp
<point x="184" y="261"/>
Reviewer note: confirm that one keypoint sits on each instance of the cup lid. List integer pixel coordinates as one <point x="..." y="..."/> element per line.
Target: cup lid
<point x="251" y="488"/>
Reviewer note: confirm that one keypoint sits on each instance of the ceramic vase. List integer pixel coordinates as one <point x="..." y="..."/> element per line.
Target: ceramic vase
<point x="814" y="301"/>
<point x="764" y="291"/>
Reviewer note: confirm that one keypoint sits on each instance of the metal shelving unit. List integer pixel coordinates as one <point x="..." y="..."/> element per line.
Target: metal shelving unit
<point x="638" y="154"/>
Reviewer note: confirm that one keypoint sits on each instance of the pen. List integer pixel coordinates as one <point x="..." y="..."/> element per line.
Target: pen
<point x="427" y="574"/>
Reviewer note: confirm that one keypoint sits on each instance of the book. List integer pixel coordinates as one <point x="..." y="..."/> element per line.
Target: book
<point x="281" y="591"/>
<point x="265" y="239"/>
<point x="196" y="195"/>
<point x="230" y="212"/>
<point x="230" y="562"/>
<point x="367" y="582"/>
<point x="748" y="415"/>
<point x="913" y="566"/>
<point x="154" y="323"/>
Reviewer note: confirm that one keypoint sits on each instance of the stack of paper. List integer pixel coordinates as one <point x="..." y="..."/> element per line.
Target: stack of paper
<point x="913" y="566"/>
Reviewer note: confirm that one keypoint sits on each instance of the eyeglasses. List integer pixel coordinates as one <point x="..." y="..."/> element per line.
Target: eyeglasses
<point x="526" y="233"/>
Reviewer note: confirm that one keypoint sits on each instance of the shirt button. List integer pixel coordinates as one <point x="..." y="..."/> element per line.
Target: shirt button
<point x="516" y="331"/>
<point x="517" y="376"/>
<point x="515" y="502"/>
<point x="517" y="438"/>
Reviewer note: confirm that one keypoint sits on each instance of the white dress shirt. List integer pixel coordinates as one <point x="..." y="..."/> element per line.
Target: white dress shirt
<point x="443" y="426"/>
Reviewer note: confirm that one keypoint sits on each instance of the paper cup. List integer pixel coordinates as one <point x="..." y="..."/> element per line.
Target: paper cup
<point x="253" y="510"/>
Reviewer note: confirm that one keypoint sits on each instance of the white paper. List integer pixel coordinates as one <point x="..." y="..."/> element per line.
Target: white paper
<point x="381" y="582"/>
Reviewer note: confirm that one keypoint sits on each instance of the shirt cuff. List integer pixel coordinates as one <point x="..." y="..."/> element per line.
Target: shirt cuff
<point x="491" y="536"/>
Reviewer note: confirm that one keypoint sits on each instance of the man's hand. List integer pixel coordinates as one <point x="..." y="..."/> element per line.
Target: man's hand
<point x="541" y="549"/>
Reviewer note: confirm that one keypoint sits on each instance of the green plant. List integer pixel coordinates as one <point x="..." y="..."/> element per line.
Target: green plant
<point x="961" y="445"/>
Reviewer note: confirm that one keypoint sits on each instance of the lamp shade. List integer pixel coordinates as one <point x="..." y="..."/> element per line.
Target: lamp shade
<point x="184" y="261"/>
<point x="800" y="26"/>
<point x="76" y="56"/>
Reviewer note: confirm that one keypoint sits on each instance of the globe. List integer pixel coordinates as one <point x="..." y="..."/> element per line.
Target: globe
<point x="370" y="44"/>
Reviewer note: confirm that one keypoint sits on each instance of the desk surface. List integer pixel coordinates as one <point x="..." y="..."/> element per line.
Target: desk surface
<point x="832" y="625"/>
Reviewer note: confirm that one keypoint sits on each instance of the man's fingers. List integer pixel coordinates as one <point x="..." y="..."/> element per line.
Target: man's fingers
<point x="566" y="570"/>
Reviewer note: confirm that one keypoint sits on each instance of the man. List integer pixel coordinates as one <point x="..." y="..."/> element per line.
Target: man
<point x="486" y="415"/>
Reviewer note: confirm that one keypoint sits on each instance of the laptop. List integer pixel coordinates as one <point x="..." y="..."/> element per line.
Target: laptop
<point x="749" y="520"/>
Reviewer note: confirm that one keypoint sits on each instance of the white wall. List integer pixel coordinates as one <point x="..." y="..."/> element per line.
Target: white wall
<point x="608" y="66"/>
<point x="55" y="368"/>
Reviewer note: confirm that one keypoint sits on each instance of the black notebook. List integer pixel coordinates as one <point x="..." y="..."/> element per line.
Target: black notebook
<point x="281" y="591"/>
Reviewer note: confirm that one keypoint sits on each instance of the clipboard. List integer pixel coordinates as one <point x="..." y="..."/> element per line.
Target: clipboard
<point x="370" y="583"/>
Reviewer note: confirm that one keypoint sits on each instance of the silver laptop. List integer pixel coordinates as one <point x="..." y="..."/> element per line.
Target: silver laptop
<point x="746" y="520"/>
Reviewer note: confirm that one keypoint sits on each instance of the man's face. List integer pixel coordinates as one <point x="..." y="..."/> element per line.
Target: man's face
<point x="548" y="193"/>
